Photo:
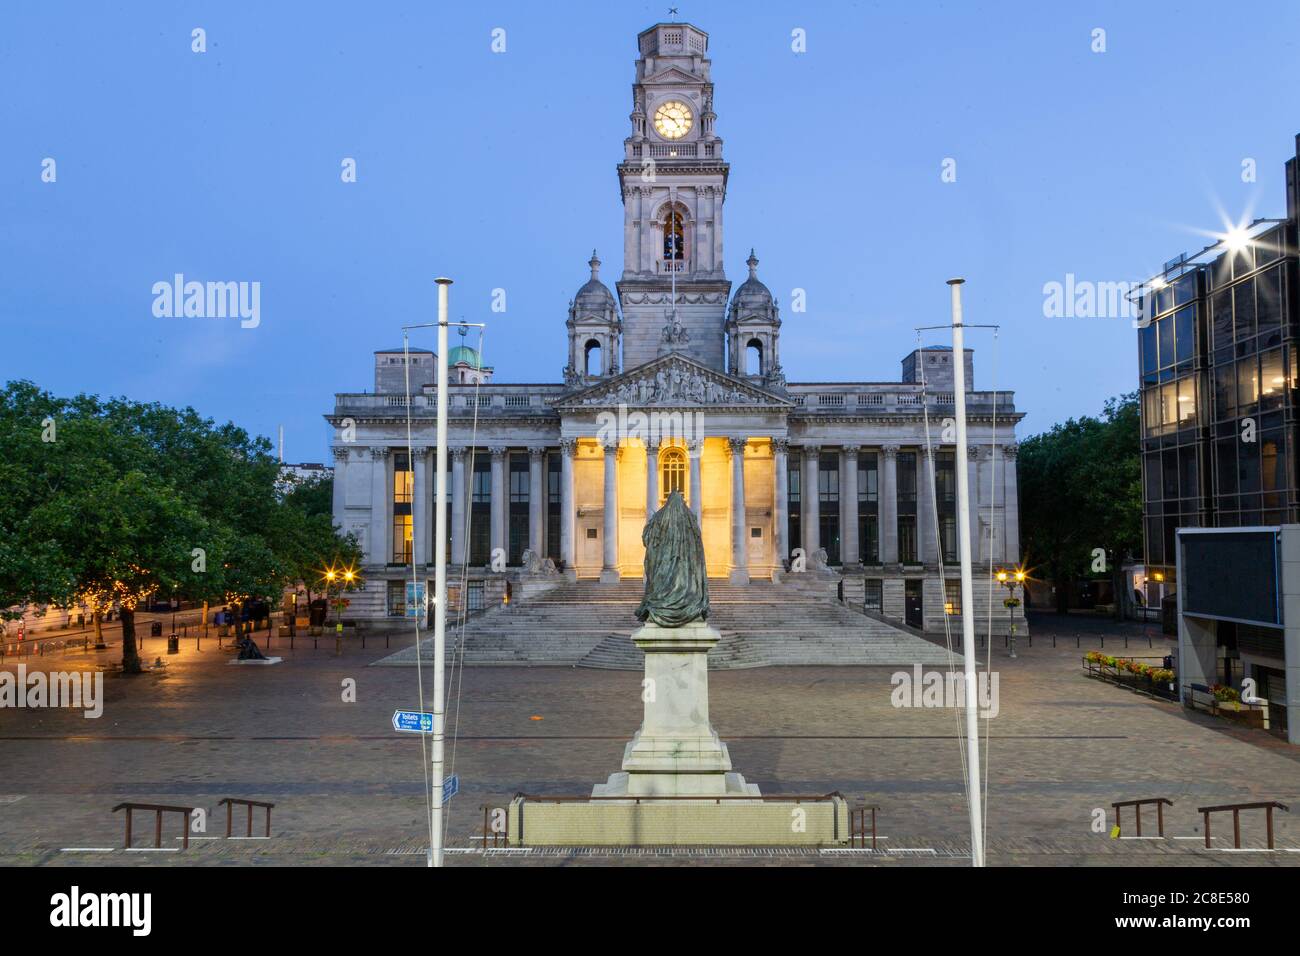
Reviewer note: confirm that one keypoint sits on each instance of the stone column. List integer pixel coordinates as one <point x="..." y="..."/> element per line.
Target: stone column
<point x="340" y="485"/>
<point x="781" y="502"/>
<point x="420" y="534"/>
<point x="651" y="478"/>
<point x="568" y="447"/>
<point x="850" y="553"/>
<point x="459" y="497"/>
<point x="928" y="550"/>
<point x="694" y="448"/>
<point x="739" y="552"/>
<point x="381" y="497"/>
<point x="609" y="567"/>
<point x="889" y="505"/>
<point x="810" y="501"/>
<point x="973" y="483"/>
<point x="536" y="500"/>
<point x="719" y="196"/>
<point x="632" y="199"/>
<point x="498" y="524"/>
<point x="1011" y="503"/>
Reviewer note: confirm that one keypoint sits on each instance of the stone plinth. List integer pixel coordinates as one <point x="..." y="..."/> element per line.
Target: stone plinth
<point x="676" y="751"/>
<point x="671" y="768"/>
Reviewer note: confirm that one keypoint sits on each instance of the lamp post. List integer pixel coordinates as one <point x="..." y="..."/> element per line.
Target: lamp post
<point x="1010" y="580"/>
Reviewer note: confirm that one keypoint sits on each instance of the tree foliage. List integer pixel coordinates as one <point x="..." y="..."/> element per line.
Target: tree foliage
<point x="1080" y="486"/>
<point x="109" y="501"/>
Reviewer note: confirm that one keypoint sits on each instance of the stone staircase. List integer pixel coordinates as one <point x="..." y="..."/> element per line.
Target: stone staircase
<point x="588" y="624"/>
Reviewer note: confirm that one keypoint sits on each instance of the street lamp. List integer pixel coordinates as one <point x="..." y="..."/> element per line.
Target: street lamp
<point x="1010" y="580"/>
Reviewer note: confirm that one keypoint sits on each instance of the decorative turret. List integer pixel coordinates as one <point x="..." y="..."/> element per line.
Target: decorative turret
<point x="754" y="331"/>
<point x="595" y="331"/>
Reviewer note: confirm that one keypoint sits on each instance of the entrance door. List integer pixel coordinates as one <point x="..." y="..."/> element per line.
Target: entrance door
<point x="912" y="593"/>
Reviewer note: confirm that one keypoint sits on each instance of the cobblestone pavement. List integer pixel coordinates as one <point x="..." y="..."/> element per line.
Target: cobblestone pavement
<point x="348" y="790"/>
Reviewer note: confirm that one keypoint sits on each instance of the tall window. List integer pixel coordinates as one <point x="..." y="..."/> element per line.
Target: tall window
<point x="519" y="489"/>
<point x="403" y="486"/>
<point x="869" y="509"/>
<point x="674" y="236"/>
<point x="907" y="543"/>
<point x="828" y="499"/>
<point x="945" y="493"/>
<point x="794" y="482"/>
<point x="672" y="474"/>
<point x="480" y="526"/>
<point x="553" y="476"/>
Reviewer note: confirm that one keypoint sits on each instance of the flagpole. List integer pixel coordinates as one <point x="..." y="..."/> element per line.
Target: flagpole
<point x="440" y="580"/>
<point x="967" y="588"/>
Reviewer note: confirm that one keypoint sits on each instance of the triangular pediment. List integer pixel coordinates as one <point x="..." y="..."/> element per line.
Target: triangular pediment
<point x="673" y="381"/>
<point x="672" y="75"/>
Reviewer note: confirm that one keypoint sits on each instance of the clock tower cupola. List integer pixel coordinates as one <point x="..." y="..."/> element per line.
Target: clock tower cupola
<point x="673" y="289"/>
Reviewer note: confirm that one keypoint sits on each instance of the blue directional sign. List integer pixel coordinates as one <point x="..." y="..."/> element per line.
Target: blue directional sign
<point x="450" y="787"/>
<point x="412" y="722"/>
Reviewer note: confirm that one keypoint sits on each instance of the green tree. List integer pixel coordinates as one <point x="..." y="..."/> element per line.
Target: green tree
<point x="1080" y="490"/>
<point x="112" y="501"/>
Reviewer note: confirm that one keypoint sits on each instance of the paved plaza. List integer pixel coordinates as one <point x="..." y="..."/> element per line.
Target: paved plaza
<point x="348" y="790"/>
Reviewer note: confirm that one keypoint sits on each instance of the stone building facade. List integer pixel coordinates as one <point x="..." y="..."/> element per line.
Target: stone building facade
<point x="674" y="382"/>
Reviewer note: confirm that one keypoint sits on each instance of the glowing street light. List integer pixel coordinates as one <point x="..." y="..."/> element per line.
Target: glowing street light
<point x="1011" y="580"/>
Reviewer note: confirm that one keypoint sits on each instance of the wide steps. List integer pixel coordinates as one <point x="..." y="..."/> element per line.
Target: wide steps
<point x="589" y="624"/>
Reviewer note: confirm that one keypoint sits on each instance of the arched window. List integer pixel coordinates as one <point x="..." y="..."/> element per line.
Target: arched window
<point x="672" y="474"/>
<point x="754" y="357"/>
<point x="674" y="235"/>
<point x="591" y="357"/>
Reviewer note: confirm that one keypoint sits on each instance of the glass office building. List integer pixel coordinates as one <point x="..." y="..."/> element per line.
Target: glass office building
<point x="1218" y="386"/>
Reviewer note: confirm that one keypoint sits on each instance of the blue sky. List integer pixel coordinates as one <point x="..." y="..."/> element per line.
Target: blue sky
<point x="498" y="170"/>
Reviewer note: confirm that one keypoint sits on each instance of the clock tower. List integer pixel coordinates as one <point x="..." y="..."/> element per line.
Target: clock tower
<point x="673" y="290"/>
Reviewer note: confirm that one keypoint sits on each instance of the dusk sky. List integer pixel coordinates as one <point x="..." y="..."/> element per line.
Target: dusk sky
<point x="498" y="169"/>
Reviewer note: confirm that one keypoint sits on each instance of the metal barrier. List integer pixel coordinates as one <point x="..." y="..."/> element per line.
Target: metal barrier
<point x="230" y="804"/>
<point x="1137" y="805"/>
<point x="159" y="809"/>
<point x="1267" y="806"/>
<point x="858" y="826"/>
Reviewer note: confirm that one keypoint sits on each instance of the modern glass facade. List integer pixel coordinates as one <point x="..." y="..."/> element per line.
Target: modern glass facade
<point x="1218" y="394"/>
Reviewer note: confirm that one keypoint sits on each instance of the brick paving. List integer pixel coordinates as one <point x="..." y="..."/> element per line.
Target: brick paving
<point x="350" y="791"/>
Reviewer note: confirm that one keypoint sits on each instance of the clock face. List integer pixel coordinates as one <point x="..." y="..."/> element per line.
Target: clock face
<point x="673" y="120"/>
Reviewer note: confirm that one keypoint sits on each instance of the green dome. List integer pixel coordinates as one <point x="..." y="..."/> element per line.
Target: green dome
<point x="463" y="353"/>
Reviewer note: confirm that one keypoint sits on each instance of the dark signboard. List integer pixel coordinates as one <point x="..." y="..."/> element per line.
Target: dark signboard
<point x="1231" y="574"/>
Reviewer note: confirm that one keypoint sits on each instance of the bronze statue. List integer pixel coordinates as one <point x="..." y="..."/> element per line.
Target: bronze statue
<point x="676" y="585"/>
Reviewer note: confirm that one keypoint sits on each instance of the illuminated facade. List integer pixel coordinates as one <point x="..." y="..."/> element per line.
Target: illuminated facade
<point x="674" y="381"/>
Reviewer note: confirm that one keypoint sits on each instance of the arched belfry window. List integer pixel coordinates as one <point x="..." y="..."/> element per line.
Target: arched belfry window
<point x="591" y="357"/>
<point x="672" y="474"/>
<point x="674" y="235"/>
<point x="754" y="357"/>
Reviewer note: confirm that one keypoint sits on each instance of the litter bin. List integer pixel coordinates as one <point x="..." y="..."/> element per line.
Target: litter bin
<point x="173" y="644"/>
<point x="155" y="629"/>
